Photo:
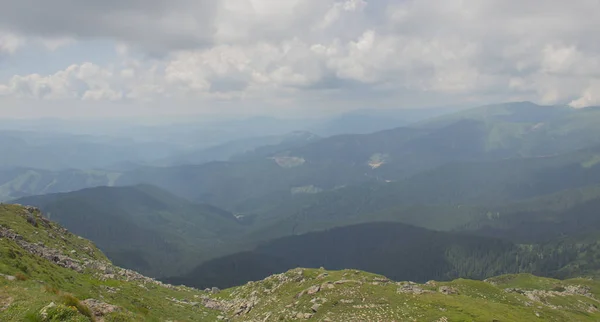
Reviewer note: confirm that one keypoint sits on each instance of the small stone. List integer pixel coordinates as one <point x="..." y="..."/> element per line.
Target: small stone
<point x="315" y="307"/>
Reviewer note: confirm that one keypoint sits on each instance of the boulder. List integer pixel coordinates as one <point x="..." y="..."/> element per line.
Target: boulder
<point x="100" y="308"/>
<point x="447" y="290"/>
<point x="313" y="289"/>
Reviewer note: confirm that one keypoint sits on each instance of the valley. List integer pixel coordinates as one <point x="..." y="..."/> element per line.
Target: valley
<point x="494" y="193"/>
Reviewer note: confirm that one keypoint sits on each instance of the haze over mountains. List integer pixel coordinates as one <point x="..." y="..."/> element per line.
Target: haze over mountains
<point x="499" y="189"/>
<point x="515" y="179"/>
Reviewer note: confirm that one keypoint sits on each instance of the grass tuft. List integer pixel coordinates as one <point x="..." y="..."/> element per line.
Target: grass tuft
<point x="70" y="300"/>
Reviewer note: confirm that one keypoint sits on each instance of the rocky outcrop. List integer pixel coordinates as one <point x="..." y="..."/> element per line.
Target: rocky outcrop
<point x="411" y="288"/>
<point x="448" y="290"/>
<point x="40" y="250"/>
<point x="100" y="309"/>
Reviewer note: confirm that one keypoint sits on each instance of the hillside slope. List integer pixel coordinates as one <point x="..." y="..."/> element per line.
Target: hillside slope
<point x="48" y="271"/>
<point x="49" y="274"/>
<point x="141" y="227"/>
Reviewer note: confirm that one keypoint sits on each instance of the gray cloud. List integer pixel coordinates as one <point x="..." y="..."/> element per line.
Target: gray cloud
<point x="155" y="25"/>
<point x="282" y="50"/>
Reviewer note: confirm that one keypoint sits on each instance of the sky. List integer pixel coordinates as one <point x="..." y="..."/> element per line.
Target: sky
<point x="67" y="58"/>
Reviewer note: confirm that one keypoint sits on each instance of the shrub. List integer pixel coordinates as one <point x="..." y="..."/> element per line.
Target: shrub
<point x="33" y="317"/>
<point x="51" y="289"/>
<point x="21" y="276"/>
<point x="64" y="313"/>
<point x="72" y="301"/>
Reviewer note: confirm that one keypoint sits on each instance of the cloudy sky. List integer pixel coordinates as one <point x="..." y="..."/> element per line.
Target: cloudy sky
<point x="88" y="57"/>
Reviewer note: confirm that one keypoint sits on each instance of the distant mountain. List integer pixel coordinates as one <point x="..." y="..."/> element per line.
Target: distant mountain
<point x="141" y="227"/>
<point x="21" y="182"/>
<point x="261" y="146"/>
<point x="444" y="198"/>
<point x="50" y="274"/>
<point x="374" y="120"/>
<point x="397" y="250"/>
<point x="513" y="131"/>
<point x="60" y="151"/>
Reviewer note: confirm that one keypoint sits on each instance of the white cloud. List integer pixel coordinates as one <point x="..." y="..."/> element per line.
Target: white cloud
<point x="9" y="43"/>
<point x="589" y="97"/>
<point x="542" y="50"/>
<point x="86" y="81"/>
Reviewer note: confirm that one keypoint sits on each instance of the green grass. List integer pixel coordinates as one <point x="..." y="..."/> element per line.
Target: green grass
<point x="46" y="282"/>
<point x="365" y="301"/>
<point x="362" y="297"/>
<point x="591" y="162"/>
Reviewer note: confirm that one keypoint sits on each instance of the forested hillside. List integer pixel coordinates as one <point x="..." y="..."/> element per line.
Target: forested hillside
<point x="142" y="227"/>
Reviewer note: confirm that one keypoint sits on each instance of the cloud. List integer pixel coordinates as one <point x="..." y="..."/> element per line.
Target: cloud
<point x="469" y="50"/>
<point x="86" y="81"/>
<point x="9" y="43"/>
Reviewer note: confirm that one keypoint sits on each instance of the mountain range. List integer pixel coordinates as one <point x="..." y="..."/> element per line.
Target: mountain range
<point x="507" y="188"/>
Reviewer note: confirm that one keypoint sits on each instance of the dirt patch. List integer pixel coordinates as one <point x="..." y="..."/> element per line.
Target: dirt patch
<point x="5" y="302"/>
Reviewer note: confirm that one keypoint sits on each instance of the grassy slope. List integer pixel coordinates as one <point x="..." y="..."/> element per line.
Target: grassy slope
<point x="140" y="301"/>
<point x="359" y="297"/>
<point x="141" y="227"/>
<point x="369" y="297"/>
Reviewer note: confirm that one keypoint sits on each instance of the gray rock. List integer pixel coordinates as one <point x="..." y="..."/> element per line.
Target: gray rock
<point x="313" y="289"/>
<point x="315" y="307"/>
<point x="8" y="277"/>
<point x="100" y="308"/>
<point x="447" y="290"/>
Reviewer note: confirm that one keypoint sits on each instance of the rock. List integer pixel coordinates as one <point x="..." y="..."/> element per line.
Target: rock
<point x="31" y="220"/>
<point x="448" y="290"/>
<point x="44" y="310"/>
<point x="412" y="288"/>
<point x="327" y="285"/>
<point x="215" y="290"/>
<point x="213" y="304"/>
<point x="381" y="280"/>
<point x="322" y="275"/>
<point x="578" y="290"/>
<point x="9" y="277"/>
<point x="304" y="315"/>
<point x="346" y="281"/>
<point x="313" y="289"/>
<point x="315" y="307"/>
<point x="100" y="308"/>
